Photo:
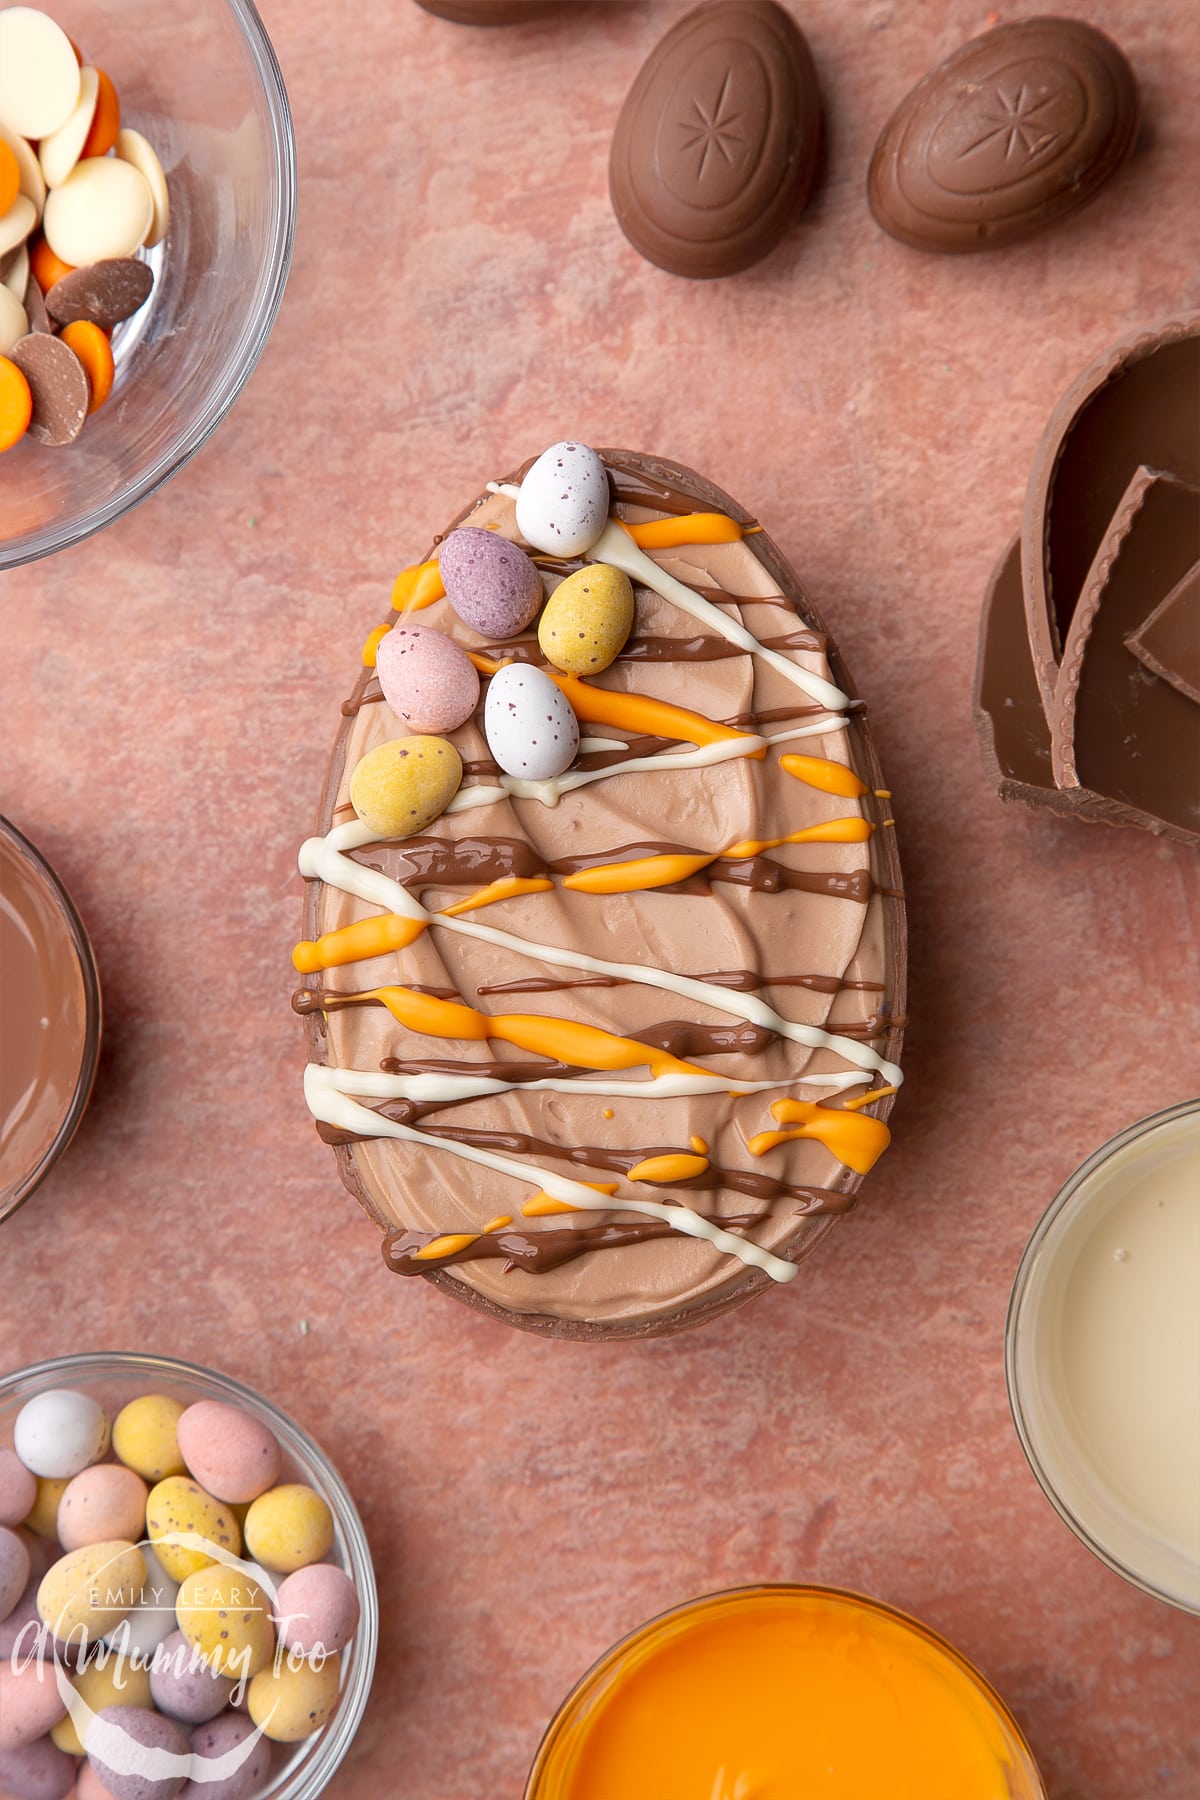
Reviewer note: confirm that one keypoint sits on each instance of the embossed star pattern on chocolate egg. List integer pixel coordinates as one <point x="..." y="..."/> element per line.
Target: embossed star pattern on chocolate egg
<point x="1016" y="129"/>
<point x="716" y="147"/>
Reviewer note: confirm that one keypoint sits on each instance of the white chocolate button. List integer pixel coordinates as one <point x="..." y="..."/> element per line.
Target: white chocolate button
<point x="39" y="77"/>
<point x="33" y="182"/>
<point x="17" y="223"/>
<point x="59" y="152"/>
<point x="103" y="208"/>
<point x="132" y="147"/>
<point x="16" y="275"/>
<point x="13" y="323"/>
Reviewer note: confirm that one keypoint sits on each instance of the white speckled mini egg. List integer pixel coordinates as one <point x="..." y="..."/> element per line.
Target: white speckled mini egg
<point x="531" y="727"/>
<point x="563" y="504"/>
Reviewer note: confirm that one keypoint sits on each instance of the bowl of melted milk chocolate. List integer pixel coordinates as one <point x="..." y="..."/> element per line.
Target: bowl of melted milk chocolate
<point x="49" y="1018"/>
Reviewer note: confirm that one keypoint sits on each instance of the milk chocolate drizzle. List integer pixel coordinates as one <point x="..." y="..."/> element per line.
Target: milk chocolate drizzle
<point x="475" y="861"/>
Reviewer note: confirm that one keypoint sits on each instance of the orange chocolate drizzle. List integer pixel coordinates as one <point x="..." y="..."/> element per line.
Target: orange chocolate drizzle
<point x="502" y="867"/>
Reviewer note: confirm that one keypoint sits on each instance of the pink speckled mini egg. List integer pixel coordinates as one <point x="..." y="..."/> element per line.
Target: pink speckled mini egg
<point x="101" y="1503"/>
<point x="232" y="1454"/>
<point x="317" y="1609"/>
<point x="18" y="1488"/>
<point x="427" y="679"/>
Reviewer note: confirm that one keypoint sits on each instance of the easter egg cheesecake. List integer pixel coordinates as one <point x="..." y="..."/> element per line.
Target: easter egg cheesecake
<point x="603" y="951"/>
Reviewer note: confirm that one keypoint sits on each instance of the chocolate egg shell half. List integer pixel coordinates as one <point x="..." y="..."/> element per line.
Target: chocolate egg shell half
<point x="1015" y="130"/>
<point x="716" y="146"/>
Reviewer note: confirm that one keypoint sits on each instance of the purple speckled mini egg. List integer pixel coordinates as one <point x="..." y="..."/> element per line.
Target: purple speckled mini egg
<point x="182" y="1684"/>
<point x="220" y="1738"/>
<point x="37" y="1771"/>
<point x="490" y="583"/>
<point x="153" y="1753"/>
<point x="428" y="680"/>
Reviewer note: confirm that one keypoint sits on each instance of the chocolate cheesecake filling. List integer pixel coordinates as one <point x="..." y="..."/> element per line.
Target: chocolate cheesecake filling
<point x="662" y="990"/>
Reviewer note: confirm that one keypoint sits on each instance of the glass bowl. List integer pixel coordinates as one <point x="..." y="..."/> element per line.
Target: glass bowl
<point x="1102" y="1354"/>
<point x="33" y="1139"/>
<point x="201" y="83"/>
<point x="299" y="1771"/>
<point x="792" y="1614"/>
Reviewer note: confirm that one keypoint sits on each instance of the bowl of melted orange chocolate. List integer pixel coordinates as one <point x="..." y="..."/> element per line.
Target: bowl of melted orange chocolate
<point x="606" y="1054"/>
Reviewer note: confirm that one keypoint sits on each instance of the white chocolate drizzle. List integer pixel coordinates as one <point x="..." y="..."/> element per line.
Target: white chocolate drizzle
<point x="327" y="1104"/>
<point x="325" y="859"/>
<point x="615" y="547"/>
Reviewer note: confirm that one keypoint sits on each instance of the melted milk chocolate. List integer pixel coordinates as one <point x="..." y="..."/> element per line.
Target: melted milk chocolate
<point x="43" y="1019"/>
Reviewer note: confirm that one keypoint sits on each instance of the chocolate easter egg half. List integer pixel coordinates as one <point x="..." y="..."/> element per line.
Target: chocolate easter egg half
<point x="1015" y="130"/>
<point x="716" y="146"/>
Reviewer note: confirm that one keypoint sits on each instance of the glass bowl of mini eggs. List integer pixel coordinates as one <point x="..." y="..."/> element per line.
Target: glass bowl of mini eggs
<point x="187" y="1603"/>
<point x="147" y="212"/>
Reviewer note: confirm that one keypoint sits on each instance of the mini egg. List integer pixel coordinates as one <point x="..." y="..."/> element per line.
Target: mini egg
<point x="490" y="583"/>
<point x="112" y="1682"/>
<point x="181" y="1509"/>
<point x="59" y="1432"/>
<point x="150" y="1731"/>
<point x="316" y="1609"/>
<point x="30" y="1705"/>
<point x="232" y="1454"/>
<point x="428" y="680"/>
<point x="152" y="1616"/>
<point x="105" y="1501"/>
<point x="289" y="1702"/>
<point x="289" y="1528"/>
<point x="531" y="727"/>
<point x="18" y="1489"/>
<point x="218" y="1739"/>
<point x="37" y="1771"/>
<point x="14" y="1569"/>
<point x="402" y="786"/>
<point x="563" y="504"/>
<point x="22" y="1630"/>
<point x="226" y="1617"/>
<point x="587" y="620"/>
<point x="89" y="1591"/>
<point x="184" y="1685"/>
<point x="42" y="1516"/>
<point x="145" y="1435"/>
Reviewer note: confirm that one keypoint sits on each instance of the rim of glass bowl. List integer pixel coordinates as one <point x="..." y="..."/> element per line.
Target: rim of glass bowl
<point x="93" y="1020"/>
<point x="313" y="1773"/>
<point x="254" y="334"/>
<point x="1012" y="1328"/>
<point x="615" y="1651"/>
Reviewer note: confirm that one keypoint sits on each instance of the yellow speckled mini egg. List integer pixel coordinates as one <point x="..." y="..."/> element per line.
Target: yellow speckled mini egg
<point x="144" y="1436"/>
<point x="42" y="1516"/>
<point x="90" y="1591"/>
<point x="226" y="1616"/>
<point x="402" y="786"/>
<point x="180" y="1505"/>
<point x="289" y="1527"/>
<point x="587" y="620"/>
<point x="288" y="1702"/>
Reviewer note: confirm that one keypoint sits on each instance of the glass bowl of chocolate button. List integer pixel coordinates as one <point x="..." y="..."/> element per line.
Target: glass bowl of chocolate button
<point x="188" y="1609"/>
<point x="147" y="210"/>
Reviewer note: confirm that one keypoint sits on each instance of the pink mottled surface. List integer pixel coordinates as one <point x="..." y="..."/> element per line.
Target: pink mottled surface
<point x="460" y="297"/>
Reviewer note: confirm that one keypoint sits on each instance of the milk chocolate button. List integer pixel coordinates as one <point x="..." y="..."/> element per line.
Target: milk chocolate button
<point x="59" y="385"/>
<point x="1012" y="132"/>
<point x="716" y="146"/>
<point x="105" y="292"/>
